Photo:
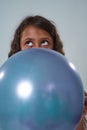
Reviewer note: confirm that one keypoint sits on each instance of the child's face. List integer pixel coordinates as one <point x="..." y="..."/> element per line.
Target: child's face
<point x="33" y="37"/>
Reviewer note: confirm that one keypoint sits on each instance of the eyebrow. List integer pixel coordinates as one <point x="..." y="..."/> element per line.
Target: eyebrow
<point x="44" y="38"/>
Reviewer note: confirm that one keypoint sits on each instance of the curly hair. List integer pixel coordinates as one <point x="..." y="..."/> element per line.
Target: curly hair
<point x="41" y="23"/>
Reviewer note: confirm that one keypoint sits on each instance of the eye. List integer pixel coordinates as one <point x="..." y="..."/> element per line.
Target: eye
<point x="45" y="43"/>
<point x="29" y="43"/>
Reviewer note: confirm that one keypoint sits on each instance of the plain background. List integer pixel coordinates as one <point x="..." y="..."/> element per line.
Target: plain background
<point x="70" y="17"/>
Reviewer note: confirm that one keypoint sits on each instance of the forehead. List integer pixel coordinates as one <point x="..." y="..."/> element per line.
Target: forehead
<point x="29" y="30"/>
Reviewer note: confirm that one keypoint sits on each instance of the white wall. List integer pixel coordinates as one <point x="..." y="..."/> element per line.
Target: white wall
<point x="70" y="17"/>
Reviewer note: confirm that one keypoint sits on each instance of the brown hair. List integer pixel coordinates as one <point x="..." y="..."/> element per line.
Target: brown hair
<point x="39" y="22"/>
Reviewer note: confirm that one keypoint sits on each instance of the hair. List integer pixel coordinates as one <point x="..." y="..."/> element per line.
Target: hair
<point x="41" y="23"/>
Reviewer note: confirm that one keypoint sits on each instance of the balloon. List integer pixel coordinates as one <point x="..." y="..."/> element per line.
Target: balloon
<point x="40" y="90"/>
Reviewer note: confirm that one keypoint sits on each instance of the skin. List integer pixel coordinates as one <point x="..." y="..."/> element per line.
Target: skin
<point x="33" y="37"/>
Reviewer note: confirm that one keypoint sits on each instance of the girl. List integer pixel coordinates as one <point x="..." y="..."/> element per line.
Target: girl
<point x="37" y="31"/>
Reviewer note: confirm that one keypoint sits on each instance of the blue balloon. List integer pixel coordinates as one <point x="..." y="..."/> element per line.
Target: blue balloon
<point x="40" y="90"/>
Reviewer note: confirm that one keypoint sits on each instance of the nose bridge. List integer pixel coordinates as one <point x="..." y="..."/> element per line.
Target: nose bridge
<point x="37" y="44"/>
